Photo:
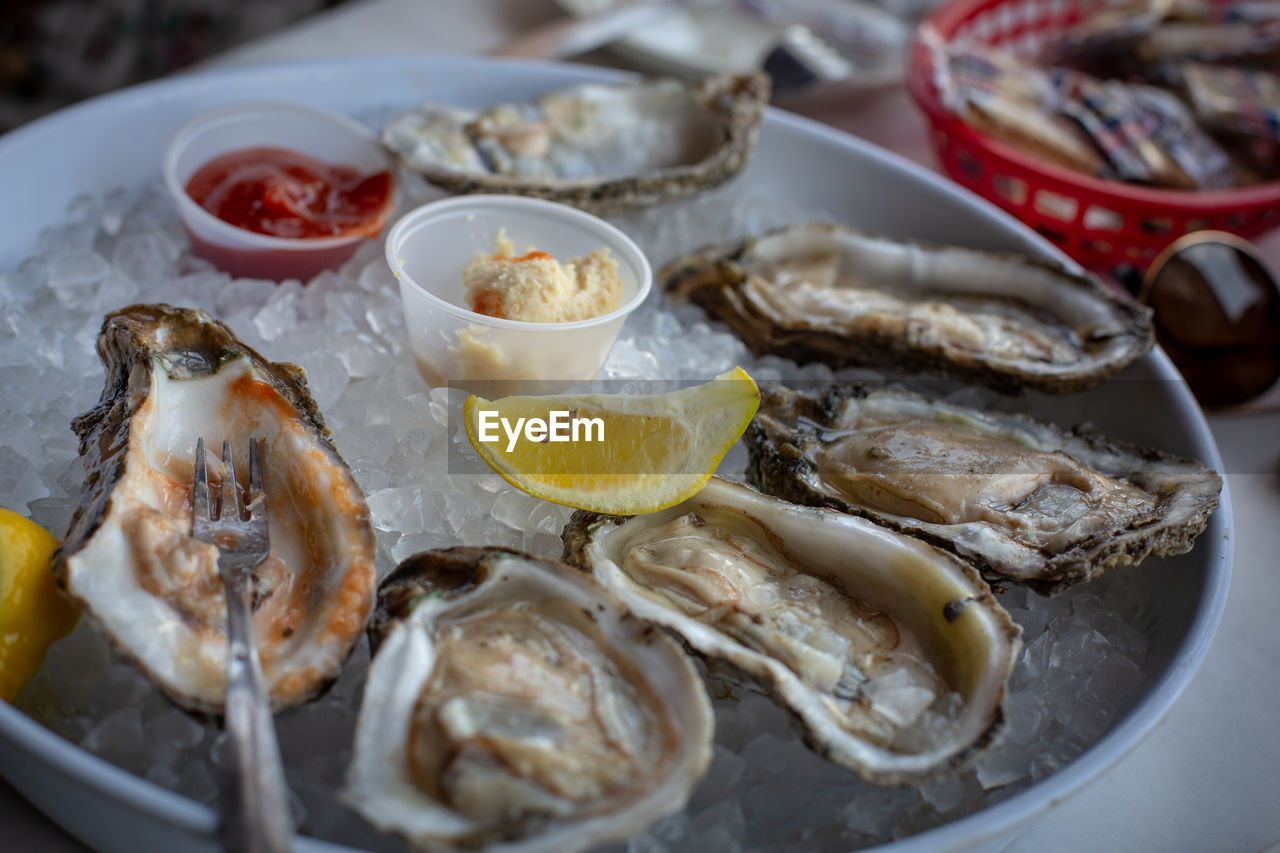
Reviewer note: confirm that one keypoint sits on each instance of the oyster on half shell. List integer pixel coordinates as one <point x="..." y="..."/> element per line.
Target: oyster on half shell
<point x="892" y="655"/>
<point x="823" y="292"/>
<point x="1018" y="498"/>
<point x="602" y="147"/>
<point x="513" y="701"/>
<point x="174" y="375"/>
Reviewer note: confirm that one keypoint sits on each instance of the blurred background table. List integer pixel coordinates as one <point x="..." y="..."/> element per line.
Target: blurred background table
<point x="1208" y="776"/>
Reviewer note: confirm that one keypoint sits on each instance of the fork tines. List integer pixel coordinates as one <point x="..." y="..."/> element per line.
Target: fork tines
<point x="202" y="510"/>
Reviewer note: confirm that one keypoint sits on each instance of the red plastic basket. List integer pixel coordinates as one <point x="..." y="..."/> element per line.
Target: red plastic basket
<point x="1102" y="224"/>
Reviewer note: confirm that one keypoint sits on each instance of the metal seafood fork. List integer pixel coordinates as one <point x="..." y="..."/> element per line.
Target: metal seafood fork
<point x="256" y="815"/>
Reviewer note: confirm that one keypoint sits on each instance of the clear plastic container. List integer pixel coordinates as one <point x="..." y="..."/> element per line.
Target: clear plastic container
<point x="430" y="246"/>
<point x="326" y="136"/>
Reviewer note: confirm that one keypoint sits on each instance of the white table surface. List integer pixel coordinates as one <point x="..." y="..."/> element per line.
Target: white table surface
<point x="1208" y="777"/>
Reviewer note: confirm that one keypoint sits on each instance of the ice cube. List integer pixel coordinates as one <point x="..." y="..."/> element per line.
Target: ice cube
<point x="720" y="827"/>
<point x="875" y="811"/>
<point x="363" y="354"/>
<point x="1027" y="717"/>
<point x="376" y="275"/>
<point x="513" y="509"/>
<point x="1034" y="662"/>
<point x="326" y="377"/>
<point x="646" y="844"/>
<point x="898" y="697"/>
<point x="278" y="316"/>
<point x="944" y="795"/>
<point x="230" y="296"/>
<point x="726" y="771"/>
<point x="625" y="361"/>
<point x="19" y="480"/>
<point x="1078" y="651"/>
<point x="1003" y="767"/>
<point x="142" y="257"/>
<point x="53" y="514"/>
<point x="71" y="274"/>
<point x="174" y="730"/>
<point x="197" y="782"/>
<point x="1112" y="682"/>
<point x="122" y="687"/>
<point x="398" y="509"/>
<point x="1033" y="622"/>
<point x="114" y="207"/>
<point x="118" y="738"/>
<point x="766" y="754"/>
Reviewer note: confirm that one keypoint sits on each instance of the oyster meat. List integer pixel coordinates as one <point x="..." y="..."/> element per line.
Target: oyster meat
<point x="893" y="656"/>
<point x="129" y="559"/>
<point x="601" y="147"/>
<point x="823" y="292"/>
<point x="513" y="699"/>
<point x="1019" y="498"/>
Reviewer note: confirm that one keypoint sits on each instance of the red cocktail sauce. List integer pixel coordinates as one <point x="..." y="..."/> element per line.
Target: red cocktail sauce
<point x="282" y="193"/>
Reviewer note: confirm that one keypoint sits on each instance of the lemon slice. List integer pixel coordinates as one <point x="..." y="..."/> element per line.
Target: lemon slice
<point x="33" y="614"/>
<point x="611" y="453"/>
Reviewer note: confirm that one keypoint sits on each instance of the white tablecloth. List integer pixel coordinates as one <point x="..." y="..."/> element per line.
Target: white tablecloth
<point x="1208" y="777"/>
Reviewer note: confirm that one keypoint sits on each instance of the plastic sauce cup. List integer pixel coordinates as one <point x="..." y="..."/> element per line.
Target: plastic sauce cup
<point x="428" y="249"/>
<point x="326" y="136"/>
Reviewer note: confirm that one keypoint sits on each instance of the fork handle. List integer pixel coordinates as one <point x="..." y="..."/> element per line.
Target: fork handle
<point x="256" y="818"/>
<point x="571" y="36"/>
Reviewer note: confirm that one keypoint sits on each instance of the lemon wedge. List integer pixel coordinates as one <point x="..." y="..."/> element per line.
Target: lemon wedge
<point x="611" y="453"/>
<point x="33" y="614"/>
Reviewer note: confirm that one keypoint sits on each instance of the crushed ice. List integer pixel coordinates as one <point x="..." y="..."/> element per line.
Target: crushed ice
<point x="1079" y="672"/>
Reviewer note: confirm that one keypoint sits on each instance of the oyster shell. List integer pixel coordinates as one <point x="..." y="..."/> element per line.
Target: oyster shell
<point x="823" y="292"/>
<point x="512" y="699"/>
<point x="893" y="656"/>
<point x="601" y="147"/>
<point x="174" y="375"/>
<point x="1019" y="498"/>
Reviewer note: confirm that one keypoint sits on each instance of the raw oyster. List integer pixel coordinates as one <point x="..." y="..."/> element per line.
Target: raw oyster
<point x="601" y="147"/>
<point x="893" y="656"/>
<point x="512" y="699"/>
<point x="823" y="292"/>
<point x="174" y="375"/>
<point x="1019" y="498"/>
